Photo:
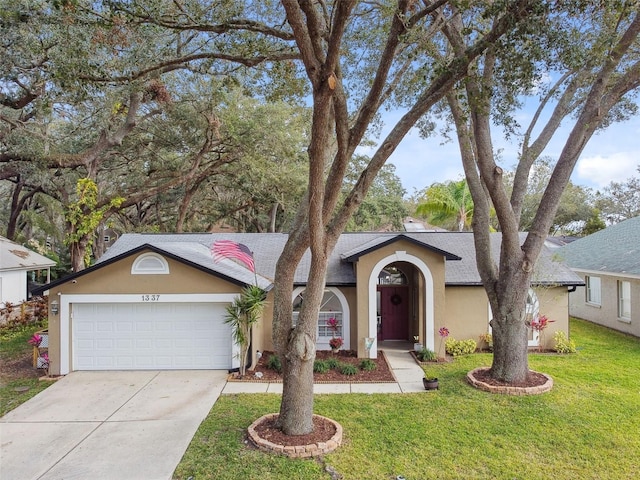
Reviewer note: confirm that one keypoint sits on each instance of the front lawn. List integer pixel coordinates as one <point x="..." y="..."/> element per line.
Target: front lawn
<point x="587" y="427"/>
<point x="18" y="379"/>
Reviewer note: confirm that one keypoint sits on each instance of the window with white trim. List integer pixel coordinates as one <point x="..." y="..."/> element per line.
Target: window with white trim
<point x="329" y="308"/>
<point x="624" y="300"/>
<point x="532" y="312"/>
<point x="593" y="290"/>
<point x="150" y="264"/>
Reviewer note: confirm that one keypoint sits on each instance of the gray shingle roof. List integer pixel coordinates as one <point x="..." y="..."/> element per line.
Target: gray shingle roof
<point x="195" y="248"/>
<point x="616" y="249"/>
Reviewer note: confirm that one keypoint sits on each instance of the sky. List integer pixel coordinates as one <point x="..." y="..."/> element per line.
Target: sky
<point x="611" y="155"/>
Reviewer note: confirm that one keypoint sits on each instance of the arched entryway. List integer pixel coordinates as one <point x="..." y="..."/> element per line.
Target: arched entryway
<point x="395" y="306"/>
<point x="389" y="296"/>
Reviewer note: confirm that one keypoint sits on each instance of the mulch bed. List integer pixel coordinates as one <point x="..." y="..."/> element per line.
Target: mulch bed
<point x="381" y="374"/>
<point x="323" y="430"/>
<point x="534" y="379"/>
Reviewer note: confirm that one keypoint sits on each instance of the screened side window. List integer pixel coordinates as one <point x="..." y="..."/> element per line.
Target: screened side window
<point x="593" y="290"/>
<point x="624" y="300"/>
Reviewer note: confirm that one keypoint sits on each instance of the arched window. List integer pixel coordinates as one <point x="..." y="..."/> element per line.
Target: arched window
<point x="150" y="264"/>
<point x="333" y="306"/>
<point x="391" y="275"/>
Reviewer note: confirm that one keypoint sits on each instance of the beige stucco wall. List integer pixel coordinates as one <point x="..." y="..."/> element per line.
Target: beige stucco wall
<point x="468" y="313"/>
<point x="554" y="303"/>
<point x="117" y="279"/>
<point x="607" y="313"/>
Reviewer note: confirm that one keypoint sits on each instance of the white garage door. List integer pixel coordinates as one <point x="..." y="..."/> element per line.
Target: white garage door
<point x="148" y="336"/>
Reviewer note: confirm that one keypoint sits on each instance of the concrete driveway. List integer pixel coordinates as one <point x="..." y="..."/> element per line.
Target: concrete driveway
<point x="107" y="425"/>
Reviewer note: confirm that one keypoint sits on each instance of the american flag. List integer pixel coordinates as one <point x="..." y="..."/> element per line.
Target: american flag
<point x="229" y="249"/>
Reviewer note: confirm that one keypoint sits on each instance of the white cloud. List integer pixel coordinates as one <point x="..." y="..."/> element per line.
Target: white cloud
<point x="600" y="170"/>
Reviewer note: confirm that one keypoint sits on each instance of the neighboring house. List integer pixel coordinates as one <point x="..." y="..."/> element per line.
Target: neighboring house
<point x="16" y="262"/>
<point x="609" y="263"/>
<point x="157" y="301"/>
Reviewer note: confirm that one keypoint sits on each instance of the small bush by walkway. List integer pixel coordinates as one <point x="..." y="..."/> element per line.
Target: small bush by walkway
<point x="586" y="427"/>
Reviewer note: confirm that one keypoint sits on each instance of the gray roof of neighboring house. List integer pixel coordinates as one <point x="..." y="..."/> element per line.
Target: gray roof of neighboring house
<point x="457" y="247"/>
<point x="16" y="257"/>
<point x="616" y="249"/>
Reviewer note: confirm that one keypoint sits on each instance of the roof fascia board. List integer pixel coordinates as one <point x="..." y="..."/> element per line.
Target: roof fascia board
<point x="606" y="273"/>
<point x="128" y="253"/>
<point x="397" y="238"/>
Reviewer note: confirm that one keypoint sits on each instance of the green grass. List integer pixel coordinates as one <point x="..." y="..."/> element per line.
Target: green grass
<point x="13" y="344"/>
<point x="587" y="427"/>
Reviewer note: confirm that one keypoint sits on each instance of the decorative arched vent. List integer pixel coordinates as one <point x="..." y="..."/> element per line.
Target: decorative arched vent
<point x="150" y="264"/>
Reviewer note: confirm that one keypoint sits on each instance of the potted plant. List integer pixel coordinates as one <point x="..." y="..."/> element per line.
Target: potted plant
<point x="335" y="343"/>
<point x="430" y="383"/>
<point x="417" y="346"/>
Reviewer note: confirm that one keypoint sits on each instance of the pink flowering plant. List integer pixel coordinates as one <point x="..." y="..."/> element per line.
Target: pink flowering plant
<point x="335" y="343"/>
<point x="444" y="333"/>
<point x="332" y="323"/>
<point x="35" y="340"/>
<point x="539" y="324"/>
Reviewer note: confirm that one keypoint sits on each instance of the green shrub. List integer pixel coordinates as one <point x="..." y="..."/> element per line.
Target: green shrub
<point x="347" y="369"/>
<point x="368" y="365"/>
<point x="320" y="366"/>
<point x="274" y="363"/>
<point x="426" y="355"/>
<point x="563" y="345"/>
<point x="487" y="339"/>
<point x="333" y="363"/>
<point x="460" y="347"/>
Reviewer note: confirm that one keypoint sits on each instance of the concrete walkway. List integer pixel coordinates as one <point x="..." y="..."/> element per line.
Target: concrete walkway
<point x="407" y="372"/>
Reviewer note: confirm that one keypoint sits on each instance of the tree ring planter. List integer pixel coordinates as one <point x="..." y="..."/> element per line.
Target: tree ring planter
<point x="296" y="451"/>
<point x="543" y="387"/>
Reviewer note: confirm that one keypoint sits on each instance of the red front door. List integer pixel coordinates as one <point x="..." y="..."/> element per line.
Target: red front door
<point x="394" y="312"/>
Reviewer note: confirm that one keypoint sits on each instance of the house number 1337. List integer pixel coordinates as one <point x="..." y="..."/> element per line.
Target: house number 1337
<point x="150" y="298"/>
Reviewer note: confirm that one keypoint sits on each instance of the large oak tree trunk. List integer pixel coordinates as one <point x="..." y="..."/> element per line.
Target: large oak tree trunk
<point x="510" y="335"/>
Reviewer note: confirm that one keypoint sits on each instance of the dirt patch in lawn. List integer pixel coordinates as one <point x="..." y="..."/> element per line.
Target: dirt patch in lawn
<point x="381" y="374"/>
<point x="18" y="368"/>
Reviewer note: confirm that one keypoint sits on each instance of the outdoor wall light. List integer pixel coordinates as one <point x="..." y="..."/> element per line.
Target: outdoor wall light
<point x="54" y="307"/>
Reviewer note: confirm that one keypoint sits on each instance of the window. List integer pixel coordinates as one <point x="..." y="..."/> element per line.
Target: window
<point x="532" y="311"/>
<point x="107" y="239"/>
<point x="624" y="300"/>
<point x="392" y="276"/>
<point x="593" y="290"/>
<point x="331" y="307"/>
<point x="150" y="264"/>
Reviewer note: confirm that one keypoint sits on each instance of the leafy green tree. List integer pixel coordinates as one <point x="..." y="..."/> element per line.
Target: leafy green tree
<point x="594" y="69"/>
<point x="82" y="217"/>
<point x="575" y="207"/>
<point x="593" y="224"/>
<point x="353" y="69"/>
<point x="448" y="205"/>
<point x="384" y="206"/>
<point x="620" y="200"/>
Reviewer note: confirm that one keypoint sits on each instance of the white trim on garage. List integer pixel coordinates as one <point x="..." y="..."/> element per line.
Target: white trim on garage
<point x="66" y="301"/>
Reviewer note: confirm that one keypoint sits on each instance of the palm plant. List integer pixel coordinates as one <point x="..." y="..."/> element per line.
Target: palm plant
<point x="448" y="204"/>
<point x="242" y="314"/>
